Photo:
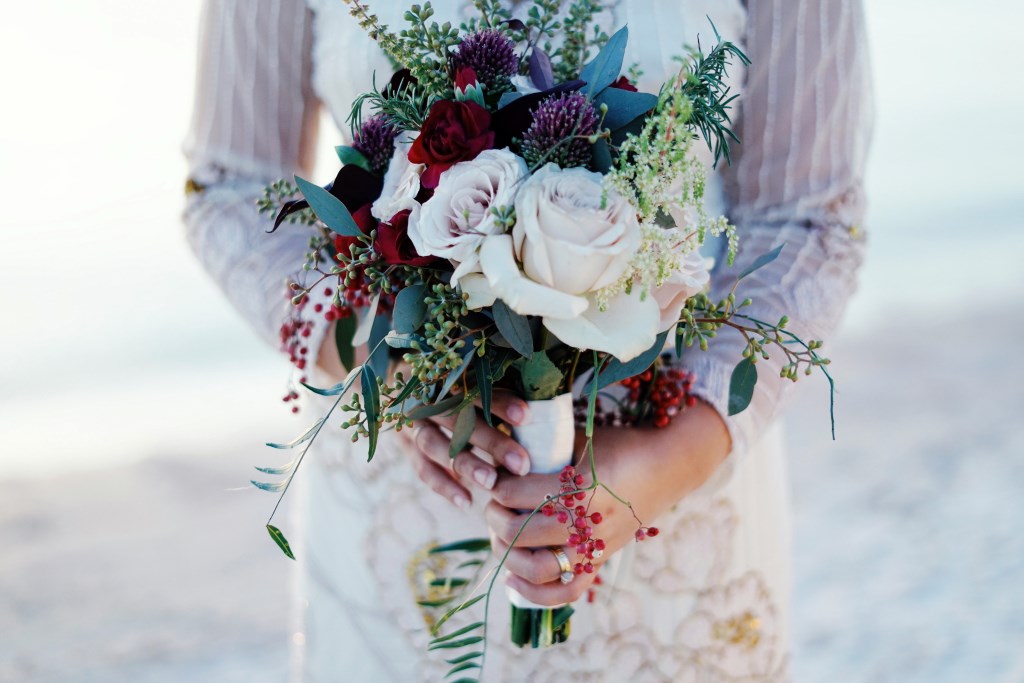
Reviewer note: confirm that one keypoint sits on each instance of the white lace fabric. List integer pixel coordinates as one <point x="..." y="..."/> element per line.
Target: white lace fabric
<point x="804" y="117"/>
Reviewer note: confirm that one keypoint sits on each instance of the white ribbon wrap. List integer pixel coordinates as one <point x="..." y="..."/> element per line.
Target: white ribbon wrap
<point x="549" y="438"/>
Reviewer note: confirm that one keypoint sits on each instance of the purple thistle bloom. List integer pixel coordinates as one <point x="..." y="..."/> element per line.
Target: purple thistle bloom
<point x="558" y="133"/>
<point x="375" y="140"/>
<point x="492" y="55"/>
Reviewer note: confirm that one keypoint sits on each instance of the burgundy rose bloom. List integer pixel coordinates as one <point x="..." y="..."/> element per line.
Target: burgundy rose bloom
<point x="623" y="83"/>
<point x="453" y="132"/>
<point x="366" y="223"/>
<point x="394" y="245"/>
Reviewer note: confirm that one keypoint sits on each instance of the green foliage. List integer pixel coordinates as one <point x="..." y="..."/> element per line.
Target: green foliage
<point x="705" y="87"/>
<point x="607" y="65"/>
<point x="741" y="385"/>
<point x="579" y="37"/>
<point x="542" y="380"/>
<point x="280" y="540"/>
<point x="405" y="107"/>
<point x="514" y="328"/>
<point x="276" y="195"/>
<point x="329" y="209"/>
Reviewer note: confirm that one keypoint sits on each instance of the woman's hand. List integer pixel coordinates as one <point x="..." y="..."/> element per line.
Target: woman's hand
<point x="427" y="444"/>
<point x="651" y="468"/>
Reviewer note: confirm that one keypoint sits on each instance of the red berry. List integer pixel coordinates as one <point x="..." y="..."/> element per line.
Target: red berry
<point x="563" y="516"/>
<point x="599" y="544"/>
<point x="577" y="568"/>
<point x="581" y="495"/>
<point x="652" y="531"/>
<point x="596" y="518"/>
<point x="691" y="401"/>
<point x="581" y="511"/>
<point x="548" y="510"/>
<point x="578" y="480"/>
<point x="640" y="534"/>
<point x="581" y="549"/>
<point x="295" y="409"/>
<point x="580" y="523"/>
<point x="588" y="568"/>
<point x="574" y="539"/>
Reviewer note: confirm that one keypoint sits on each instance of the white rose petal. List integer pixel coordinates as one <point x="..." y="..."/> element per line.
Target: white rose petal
<point x="571" y="233"/>
<point x="401" y="181"/>
<point x="626" y="328"/>
<point x="479" y="291"/>
<point x="522" y="295"/>
<point x="457" y="218"/>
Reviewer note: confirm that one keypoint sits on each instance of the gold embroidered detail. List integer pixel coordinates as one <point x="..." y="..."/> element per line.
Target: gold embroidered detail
<point x="425" y="570"/>
<point x="743" y="630"/>
<point x="193" y="187"/>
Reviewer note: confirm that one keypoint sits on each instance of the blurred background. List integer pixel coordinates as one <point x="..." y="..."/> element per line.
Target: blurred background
<point x="134" y="401"/>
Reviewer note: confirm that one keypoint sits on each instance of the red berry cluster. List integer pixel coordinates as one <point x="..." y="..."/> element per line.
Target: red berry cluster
<point x="646" y="532"/>
<point x="666" y="397"/>
<point x="579" y="521"/>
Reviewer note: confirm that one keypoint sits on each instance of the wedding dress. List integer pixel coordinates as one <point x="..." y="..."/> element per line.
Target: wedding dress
<point x="709" y="599"/>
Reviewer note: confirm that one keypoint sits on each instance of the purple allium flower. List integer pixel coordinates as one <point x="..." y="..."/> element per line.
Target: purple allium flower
<point x="559" y="129"/>
<point x="375" y="140"/>
<point x="492" y="55"/>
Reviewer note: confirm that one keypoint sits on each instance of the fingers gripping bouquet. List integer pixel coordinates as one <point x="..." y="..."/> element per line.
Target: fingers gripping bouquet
<point x="514" y="213"/>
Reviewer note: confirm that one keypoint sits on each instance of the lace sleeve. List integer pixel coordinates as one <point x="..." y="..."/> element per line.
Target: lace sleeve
<point x="254" y="121"/>
<point x="797" y="178"/>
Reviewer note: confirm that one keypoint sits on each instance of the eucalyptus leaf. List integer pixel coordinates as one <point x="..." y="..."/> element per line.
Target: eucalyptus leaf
<point x="624" y="106"/>
<point x="455" y="634"/>
<point x="410" y="309"/>
<point x="280" y="540"/>
<point x="508" y="98"/>
<point x="602" y="71"/>
<point x="351" y="155"/>
<point x="602" y="156"/>
<point x="465" y="423"/>
<point x="379" y="358"/>
<point x="485" y="384"/>
<point x="404" y="341"/>
<point x="541" y="72"/>
<point x="272" y="487"/>
<point x="471" y="545"/>
<point x="466" y="666"/>
<point x="762" y="261"/>
<point x="465" y="658"/>
<point x="541" y="378"/>
<point x="422" y="412"/>
<point x="371" y="407"/>
<point x="616" y="370"/>
<point x="741" y="386"/>
<point x="302" y="439"/>
<point x="513" y="327"/>
<point x="454" y="375"/>
<point x="344" y="331"/>
<point x="452" y="644"/>
<point x="329" y="209"/>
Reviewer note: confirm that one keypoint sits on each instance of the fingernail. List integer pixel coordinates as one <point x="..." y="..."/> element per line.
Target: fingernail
<point x="461" y="502"/>
<point x="485" y="477"/>
<point x="518" y="413"/>
<point x="517" y="463"/>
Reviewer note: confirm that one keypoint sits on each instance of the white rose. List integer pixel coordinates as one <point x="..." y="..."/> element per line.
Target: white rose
<point x="573" y="237"/>
<point x="571" y="233"/>
<point x="456" y="219"/>
<point x="689" y="279"/>
<point x="401" y="181"/>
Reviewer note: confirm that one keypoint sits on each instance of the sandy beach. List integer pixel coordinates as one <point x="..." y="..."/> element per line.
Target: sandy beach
<point x="909" y="538"/>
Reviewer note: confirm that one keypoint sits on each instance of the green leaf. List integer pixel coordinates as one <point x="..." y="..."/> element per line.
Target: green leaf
<point x="624" y="106"/>
<point x="465" y="658"/>
<point x="379" y="357"/>
<point x="272" y="487"/>
<point x="463" y="667"/>
<point x="329" y="209"/>
<point x="602" y="71"/>
<point x="741" y="386"/>
<point x="452" y="644"/>
<point x="351" y="155"/>
<point x="471" y="545"/>
<point x="337" y="389"/>
<point x="284" y="469"/>
<point x="300" y="440"/>
<point x="435" y="603"/>
<point x="426" y="410"/>
<point x="514" y="328"/>
<point x="404" y="341"/>
<point x="541" y="378"/>
<point x="450" y="581"/>
<point x="561" y="615"/>
<point x="455" y="634"/>
<point x="344" y="330"/>
<point x="454" y="375"/>
<point x="410" y="309"/>
<point x="465" y="680"/>
<point x="371" y="406"/>
<point x="602" y="156"/>
<point x="410" y="386"/>
<point x="485" y="384"/>
<point x="465" y="423"/>
<point x="455" y="610"/>
<point x="762" y="261"/>
<point x="616" y="370"/>
<point x="280" y="540"/>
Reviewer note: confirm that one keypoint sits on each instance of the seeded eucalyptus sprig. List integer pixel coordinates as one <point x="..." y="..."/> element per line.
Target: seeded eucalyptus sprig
<point x="276" y="195"/>
<point x="580" y="36"/>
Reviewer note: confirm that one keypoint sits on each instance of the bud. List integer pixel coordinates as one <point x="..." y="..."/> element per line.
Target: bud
<point x="467" y="87"/>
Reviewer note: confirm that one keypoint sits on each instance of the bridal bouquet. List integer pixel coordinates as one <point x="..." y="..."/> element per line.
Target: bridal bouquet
<point x="513" y="213"/>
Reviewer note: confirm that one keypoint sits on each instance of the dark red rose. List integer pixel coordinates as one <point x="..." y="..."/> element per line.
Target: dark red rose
<point x="366" y="223"/>
<point x="394" y="245"/>
<point x="453" y="132"/>
<point x="623" y="83"/>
